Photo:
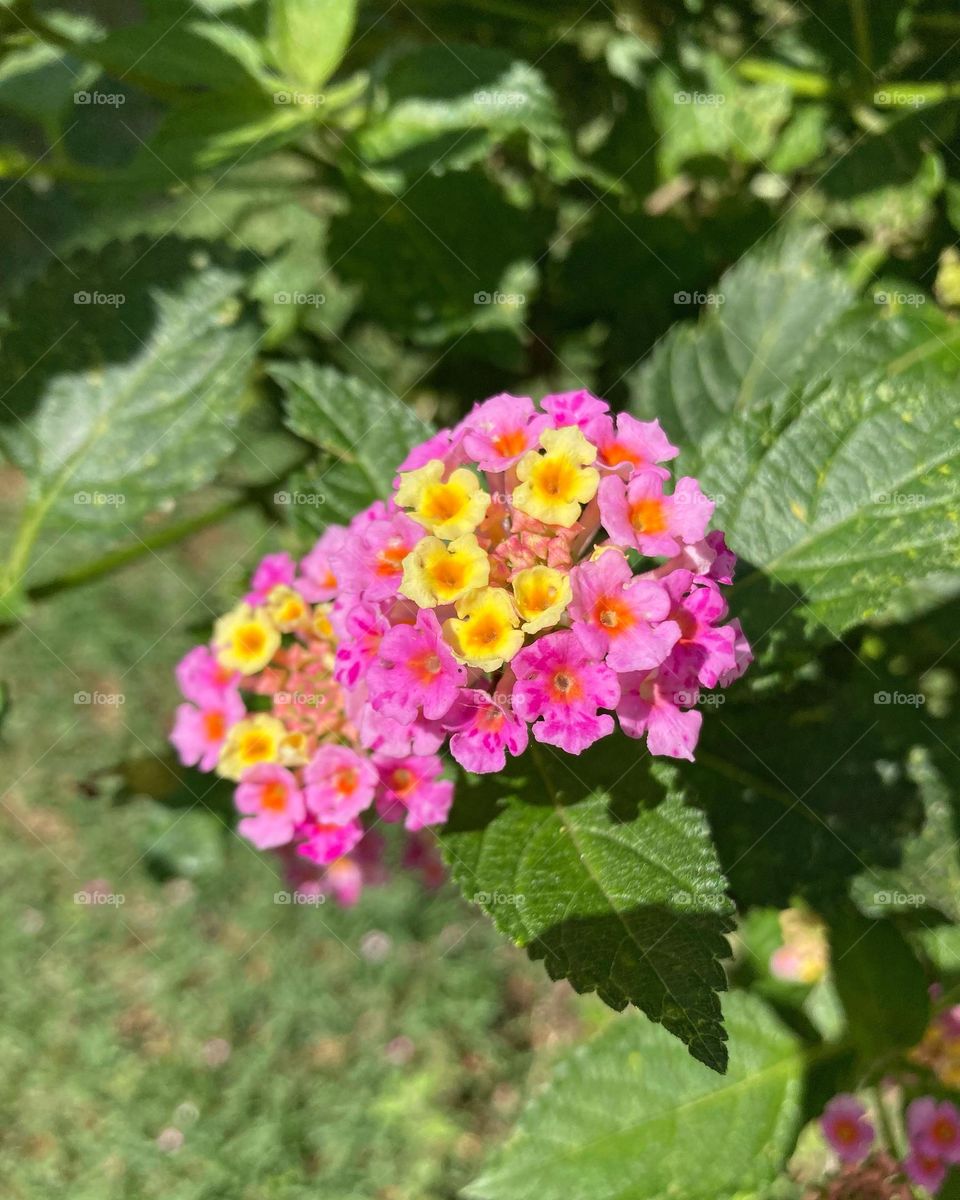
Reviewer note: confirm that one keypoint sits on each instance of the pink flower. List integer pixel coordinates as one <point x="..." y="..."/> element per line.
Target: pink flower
<point x="363" y="630"/>
<point x="445" y="445"/>
<point x="396" y="739"/>
<point x="742" y="655"/>
<point x="326" y="843"/>
<point x="631" y="443"/>
<point x="561" y="688"/>
<point x="410" y="791"/>
<point x="924" y="1171"/>
<point x="651" y="704"/>
<point x="502" y="429"/>
<point x="369" y="563"/>
<point x="416" y="669"/>
<point x="725" y="561"/>
<point x="484" y="728"/>
<point x="846" y="1128"/>
<point x="199" y="733"/>
<point x="273" y="570"/>
<point x="339" y="784"/>
<point x="934" y="1129"/>
<point x="704" y="649"/>
<point x="343" y="878"/>
<point x="638" y="514"/>
<point x="620" y="616"/>
<point x="202" y="679"/>
<point x="574" y="408"/>
<point x="269" y="795"/>
<point x="317" y="580"/>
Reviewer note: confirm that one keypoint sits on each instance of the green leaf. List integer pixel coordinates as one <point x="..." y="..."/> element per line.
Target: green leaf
<point x="445" y="107"/>
<point x="617" y="889"/>
<point x="308" y="38"/>
<point x="880" y="982"/>
<point x="364" y="432"/>
<point x="628" y="1117"/>
<point x="838" y="487"/>
<point x="104" y="445"/>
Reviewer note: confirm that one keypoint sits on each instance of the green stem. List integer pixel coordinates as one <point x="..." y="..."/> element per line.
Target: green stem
<point x="536" y="756"/>
<point x="886" y="1126"/>
<point x="864" y="262"/>
<point x="92" y="571"/>
<point x="861" y="35"/>
<point x="801" y="83"/>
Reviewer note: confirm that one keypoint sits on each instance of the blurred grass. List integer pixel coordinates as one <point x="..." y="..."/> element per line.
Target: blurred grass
<point x="200" y="1040"/>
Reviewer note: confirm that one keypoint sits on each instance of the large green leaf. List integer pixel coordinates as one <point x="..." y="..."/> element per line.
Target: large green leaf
<point x="629" y="1117"/>
<point x="123" y="433"/>
<point x="840" y="486"/>
<point x="617" y="889"/>
<point x="309" y="37"/>
<point x="364" y="432"/>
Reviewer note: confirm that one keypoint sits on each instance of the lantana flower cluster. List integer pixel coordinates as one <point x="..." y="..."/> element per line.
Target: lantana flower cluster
<point x="932" y="1128"/>
<point x="265" y="706"/>
<point x="537" y="572"/>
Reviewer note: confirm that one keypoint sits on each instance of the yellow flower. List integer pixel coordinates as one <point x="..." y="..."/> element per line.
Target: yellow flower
<point x="287" y="608"/>
<point x="436" y="573"/>
<point x="486" y="635"/>
<point x="321" y="621"/>
<point x="245" y="639"/>
<point x="554" y="484"/>
<point x="293" y="749"/>
<point x="448" y="509"/>
<point x="253" y="740"/>
<point x="541" y="594"/>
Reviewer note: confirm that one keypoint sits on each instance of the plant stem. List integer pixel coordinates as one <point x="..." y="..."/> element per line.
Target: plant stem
<point x="92" y="571"/>
<point x="886" y="1127"/>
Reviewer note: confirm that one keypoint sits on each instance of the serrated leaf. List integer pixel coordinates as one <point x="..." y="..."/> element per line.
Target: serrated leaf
<point x="615" y="888"/>
<point x="445" y="107"/>
<point x="365" y="432"/>
<point x="839" y="488"/>
<point x="308" y="38"/>
<point x="628" y="1116"/>
<point x="106" y="444"/>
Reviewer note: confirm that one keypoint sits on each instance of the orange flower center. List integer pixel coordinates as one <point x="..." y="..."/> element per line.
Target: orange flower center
<point x="251" y="640"/>
<point x="510" y="443"/>
<point x="615" y="453"/>
<point x="390" y="558"/>
<point x="346" y="780"/>
<point x="564" y="687"/>
<point x="401" y="781"/>
<point x="647" y="516"/>
<point x="273" y="798"/>
<point x="214" y="725"/>
<point x="614" y="615"/>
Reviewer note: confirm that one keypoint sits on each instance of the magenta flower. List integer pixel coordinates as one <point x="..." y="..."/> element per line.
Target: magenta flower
<point x="338" y="784"/>
<point x="317" y="580"/>
<point x="704" y="650"/>
<point x="638" y="514"/>
<point x="501" y="430"/>
<point x="363" y="630"/>
<point x="924" y="1171"/>
<point x="269" y="795"/>
<point x="484" y="728"/>
<point x="847" y="1129"/>
<point x="445" y="445"/>
<point x="201" y="678"/>
<point x="619" y="616"/>
<point x="574" y="408"/>
<point x="630" y="444"/>
<point x="326" y="843"/>
<point x="369" y="563"/>
<point x="274" y="570"/>
<point x="654" y="703"/>
<point x="934" y="1129"/>
<point x="397" y="739"/>
<point x="410" y="791"/>
<point x="416" y="669"/>
<point x="560" y="688"/>
<point x="198" y="734"/>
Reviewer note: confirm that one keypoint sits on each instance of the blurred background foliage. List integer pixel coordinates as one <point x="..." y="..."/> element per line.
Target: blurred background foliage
<point x="441" y="200"/>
